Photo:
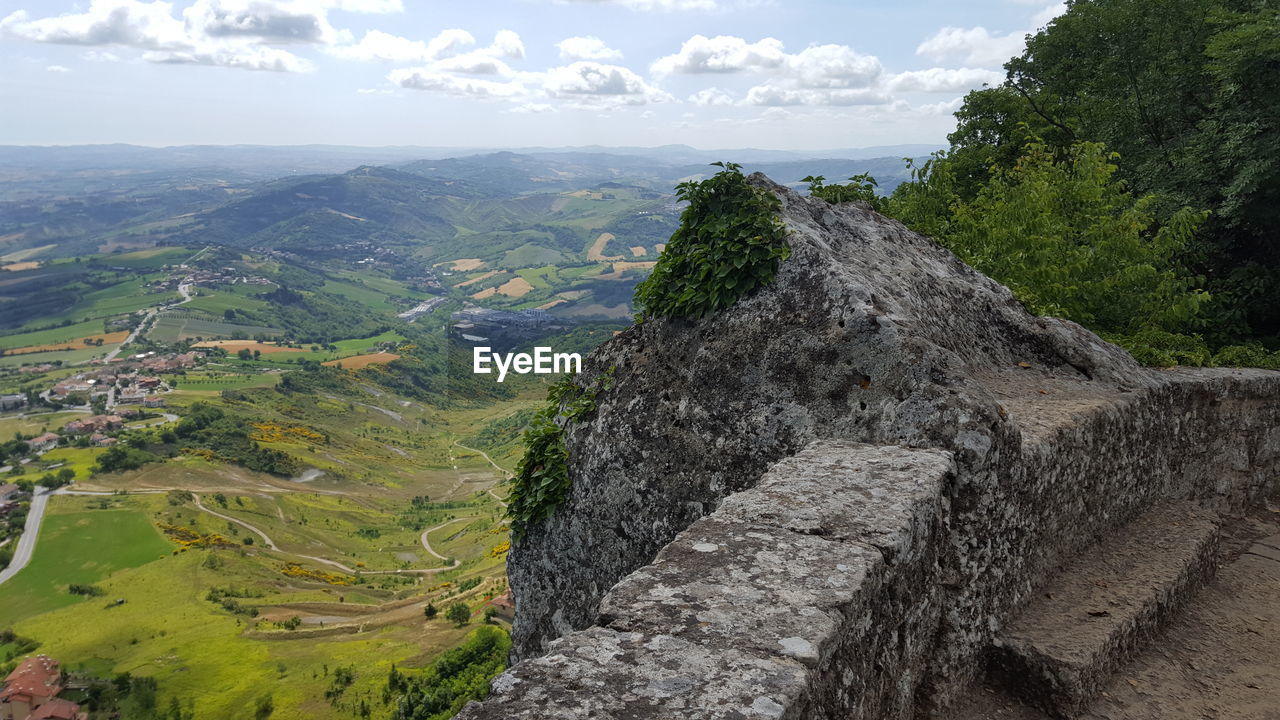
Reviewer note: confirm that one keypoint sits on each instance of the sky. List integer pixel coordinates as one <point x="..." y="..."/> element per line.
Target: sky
<point x="776" y="74"/>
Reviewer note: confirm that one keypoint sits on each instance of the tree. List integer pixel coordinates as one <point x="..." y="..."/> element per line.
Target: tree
<point x="1186" y="92"/>
<point x="430" y="611"/>
<point x="244" y="354"/>
<point x="458" y="613"/>
<point x="66" y="475"/>
<point x="264" y="708"/>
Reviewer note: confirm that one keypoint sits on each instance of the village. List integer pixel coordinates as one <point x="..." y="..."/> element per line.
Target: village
<point x="32" y="690"/>
<point x="116" y="392"/>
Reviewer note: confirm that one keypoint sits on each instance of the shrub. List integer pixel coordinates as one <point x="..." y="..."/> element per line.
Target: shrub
<point x="729" y="243"/>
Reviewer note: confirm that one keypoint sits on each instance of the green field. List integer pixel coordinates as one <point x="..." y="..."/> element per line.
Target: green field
<point x="121" y="299"/>
<point x="179" y="325"/>
<point x="52" y="335"/>
<point x="35" y="424"/>
<point x="78" y="459"/>
<point x="79" y="546"/>
<point x="151" y="258"/>
<point x="202" y="382"/>
<point x="216" y="302"/>
<point x="66" y="357"/>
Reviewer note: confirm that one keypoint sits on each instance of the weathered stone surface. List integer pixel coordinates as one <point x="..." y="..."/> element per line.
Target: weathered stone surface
<point x="749" y="582"/>
<point x="1101" y="607"/>
<point x="870" y="334"/>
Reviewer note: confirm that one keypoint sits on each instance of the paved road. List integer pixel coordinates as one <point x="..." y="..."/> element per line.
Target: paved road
<point x="183" y="288"/>
<point x="27" y="541"/>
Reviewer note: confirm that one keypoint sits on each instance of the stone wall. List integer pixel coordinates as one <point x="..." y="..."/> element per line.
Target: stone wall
<point x="824" y="500"/>
<point x="861" y="581"/>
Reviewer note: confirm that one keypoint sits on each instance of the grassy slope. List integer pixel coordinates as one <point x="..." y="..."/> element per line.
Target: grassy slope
<point x="114" y="539"/>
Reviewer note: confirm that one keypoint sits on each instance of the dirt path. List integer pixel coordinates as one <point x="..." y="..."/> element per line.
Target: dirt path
<point x="427" y="544"/>
<point x="506" y="475"/>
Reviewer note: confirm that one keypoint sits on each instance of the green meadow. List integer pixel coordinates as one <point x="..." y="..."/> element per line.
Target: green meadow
<point x="79" y="546"/>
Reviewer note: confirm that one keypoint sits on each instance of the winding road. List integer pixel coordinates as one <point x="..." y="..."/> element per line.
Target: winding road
<point x="40" y="501"/>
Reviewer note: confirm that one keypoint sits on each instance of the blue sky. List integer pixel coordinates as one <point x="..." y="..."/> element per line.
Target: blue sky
<point x="781" y="74"/>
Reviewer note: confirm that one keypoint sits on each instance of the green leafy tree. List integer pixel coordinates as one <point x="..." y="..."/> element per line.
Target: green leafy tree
<point x="1186" y="92"/>
<point x="458" y="613"/>
<point x="430" y="611"/>
<point x="1071" y="242"/>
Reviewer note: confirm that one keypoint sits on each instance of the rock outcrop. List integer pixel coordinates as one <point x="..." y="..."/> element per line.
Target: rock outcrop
<point x="870" y="333"/>
<point x="1010" y="443"/>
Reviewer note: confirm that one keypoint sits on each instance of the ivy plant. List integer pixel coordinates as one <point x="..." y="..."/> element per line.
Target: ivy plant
<point x="729" y="243"/>
<point x="541" y="482"/>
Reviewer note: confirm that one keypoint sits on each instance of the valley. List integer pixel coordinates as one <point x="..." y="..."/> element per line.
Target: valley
<point x="245" y="450"/>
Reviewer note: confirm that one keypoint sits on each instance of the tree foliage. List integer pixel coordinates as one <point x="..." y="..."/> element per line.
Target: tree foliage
<point x="457" y="677"/>
<point x="1186" y="91"/>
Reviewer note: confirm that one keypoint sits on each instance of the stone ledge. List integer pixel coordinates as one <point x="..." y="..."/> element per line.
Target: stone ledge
<point x="782" y="604"/>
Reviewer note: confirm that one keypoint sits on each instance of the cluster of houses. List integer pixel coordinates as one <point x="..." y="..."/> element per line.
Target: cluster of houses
<point x="209" y="278"/>
<point x="96" y="428"/>
<point x="133" y="376"/>
<point x="31" y="692"/>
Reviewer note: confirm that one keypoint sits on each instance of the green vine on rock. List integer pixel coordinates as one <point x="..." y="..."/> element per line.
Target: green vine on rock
<point x="729" y="243"/>
<point x="541" y="482"/>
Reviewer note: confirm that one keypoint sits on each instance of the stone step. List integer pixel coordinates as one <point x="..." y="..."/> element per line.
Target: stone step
<point x="1103" y="606"/>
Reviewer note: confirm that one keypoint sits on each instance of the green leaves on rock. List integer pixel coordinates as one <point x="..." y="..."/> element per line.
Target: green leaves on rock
<point x="729" y="243"/>
<point x="542" y="481"/>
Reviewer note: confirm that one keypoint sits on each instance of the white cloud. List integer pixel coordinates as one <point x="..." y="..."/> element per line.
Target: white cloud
<point x="972" y="46"/>
<point x="833" y="66"/>
<point x="435" y="81"/>
<point x="242" y="58"/>
<point x="225" y="33"/>
<point x="721" y="54"/>
<point x="371" y="7"/>
<point x="943" y="80"/>
<point x="507" y="44"/>
<point x="100" y="56"/>
<point x="650" y="5"/>
<point x="593" y="83"/>
<point x="532" y="108"/>
<point x="941" y="108"/>
<point x="711" y="97"/>
<point x="772" y="95"/>
<point x="385" y="47"/>
<point x="817" y="75"/>
<point x="277" y="22"/>
<point x="379" y="46"/>
<point x="478" y="62"/>
<point x="586" y="48"/>
<point x="58" y="69"/>
<point x="147" y="25"/>
<point x="373" y="91"/>
<point x="981" y="47"/>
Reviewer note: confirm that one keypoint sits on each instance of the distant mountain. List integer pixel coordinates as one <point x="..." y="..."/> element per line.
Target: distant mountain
<point x="369" y="204"/>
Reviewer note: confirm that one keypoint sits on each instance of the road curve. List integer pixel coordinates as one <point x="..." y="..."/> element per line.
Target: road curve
<point x="39" y="502"/>
<point x="499" y="468"/>
<point x="27" y="541"/>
